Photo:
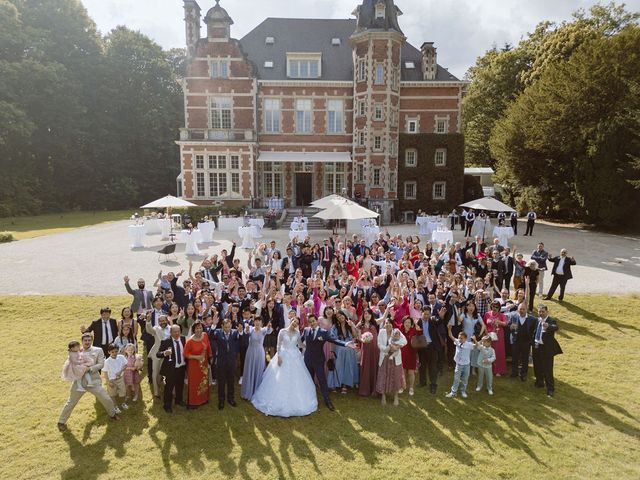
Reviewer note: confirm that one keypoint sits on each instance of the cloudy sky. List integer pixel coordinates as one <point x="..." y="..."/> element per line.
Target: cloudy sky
<point x="461" y="29"/>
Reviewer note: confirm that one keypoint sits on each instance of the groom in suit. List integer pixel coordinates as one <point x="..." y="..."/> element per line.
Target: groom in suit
<point x="227" y="346"/>
<point x="173" y="368"/>
<point x="314" y="338"/>
<point x="546" y="347"/>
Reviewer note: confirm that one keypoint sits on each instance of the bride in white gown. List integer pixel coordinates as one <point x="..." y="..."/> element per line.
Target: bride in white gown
<point x="287" y="389"/>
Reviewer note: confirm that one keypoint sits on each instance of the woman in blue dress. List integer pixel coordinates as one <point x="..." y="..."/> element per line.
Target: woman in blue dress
<point x="346" y="372"/>
<point x="254" y="361"/>
<point x="315" y="252"/>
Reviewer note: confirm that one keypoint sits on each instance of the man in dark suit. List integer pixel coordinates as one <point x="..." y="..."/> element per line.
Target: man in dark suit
<point x="531" y="221"/>
<point x="314" y="339"/>
<point x="326" y="257"/>
<point x="522" y="327"/>
<point x="173" y="367"/>
<point x="429" y="356"/>
<point x="475" y="247"/>
<point x="227" y="346"/>
<point x="142" y="298"/>
<point x="561" y="271"/>
<point x="289" y="263"/>
<point x="104" y="329"/>
<point x="546" y="347"/>
<point x="509" y="266"/>
<point x="470" y="219"/>
<point x="514" y="222"/>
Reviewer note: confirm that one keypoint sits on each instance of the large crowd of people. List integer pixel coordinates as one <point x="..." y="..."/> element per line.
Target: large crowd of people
<point x="375" y="320"/>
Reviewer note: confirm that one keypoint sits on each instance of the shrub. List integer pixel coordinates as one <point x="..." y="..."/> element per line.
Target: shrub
<point x="6" y="237"/>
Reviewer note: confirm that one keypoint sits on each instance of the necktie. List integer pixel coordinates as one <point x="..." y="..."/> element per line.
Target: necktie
<point x="144" y="298"/>
<point x="326" y="253"/>
<point x="226" y="339"/>
<point x="315" y="333"/>
<point x="178" y="354"/>
<point x="539" y="332"/>
<point x="105" y="340"/>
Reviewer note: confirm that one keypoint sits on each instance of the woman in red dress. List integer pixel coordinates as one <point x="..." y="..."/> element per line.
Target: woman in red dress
<point x="495" y="321"/>
<point x="197" y="351"/>
<point x="409" y="356"/>
<point x="369" y="354"/>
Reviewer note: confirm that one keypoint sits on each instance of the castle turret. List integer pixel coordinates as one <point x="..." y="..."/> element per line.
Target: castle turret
<point x="192" y="25"/>
<point x="218" y="24"/>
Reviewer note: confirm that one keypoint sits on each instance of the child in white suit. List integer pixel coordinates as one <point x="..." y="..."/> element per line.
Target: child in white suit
<point x="486" y="357"/>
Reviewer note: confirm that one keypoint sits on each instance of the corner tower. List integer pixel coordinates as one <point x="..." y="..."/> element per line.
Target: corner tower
<point x="377" y="46"/>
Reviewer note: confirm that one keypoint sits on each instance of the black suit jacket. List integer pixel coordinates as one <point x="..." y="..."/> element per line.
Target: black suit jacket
<point x="549" y="343"/>
<point x="314" y="349"/>
<point x="226" y="351"/>
<point x="566" y="267"/>
<point x="96" y="329"/>
<point x="169" y="363"/>
<point x="508" y="262"/>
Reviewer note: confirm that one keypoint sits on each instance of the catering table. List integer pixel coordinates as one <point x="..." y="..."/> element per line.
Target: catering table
<point x="207" y="229"/>
<point x="503" y="234"/>
<point x="230" y="224"/>
<point x="247" y="234"/>
<point x="481" y="227"/>
<point x="275" y="203"/>
<point x="154" y="225"/>
<point x="370" y="234"/>
<point x="257" y="223"/>
<point x="423" y="224"/>
<point x="442" y="236"/>
<point x="299" y="234"/>
<point x="368" y="222"/>
<point x="165" y="228"/>
<point x="191" y="238"/>
<point x="136" y="234"/>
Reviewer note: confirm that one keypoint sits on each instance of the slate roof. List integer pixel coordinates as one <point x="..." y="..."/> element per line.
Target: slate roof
<point x="315" y="35"/>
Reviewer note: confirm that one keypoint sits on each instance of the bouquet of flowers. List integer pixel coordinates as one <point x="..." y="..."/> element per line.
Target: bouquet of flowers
<point x="366" y="337"/>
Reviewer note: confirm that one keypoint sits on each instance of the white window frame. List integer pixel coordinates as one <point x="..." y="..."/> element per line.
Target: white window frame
<point x="443" y="194"/>
<point x="272" y="116"/>
<point x="414" y="186"/>
<point x="234" y="180"/>
<point x="362" y="108"/>
<point x="362" y="70"/>
<point x="304" y="115"/>
<point x="440" y="157"/>
<point x="217" y="117"/>
<point x="376" y="176"/>
<point x="445" y="125"/>
<point x="411" y="157"/>
<point x="362" y="139"/>
<point x="198" y="162"/>
<point x="392" y="181"/>
<point x="302" y="65"/>
<point x="412" y="125"/>
<point x="360" y="173"/>
<point x="234" y="162"/>
<point x="219" y="68"/>
<point x="335" y="116"/>
<point x="377" y="143"/>
<point x="378" y="112"/>
<point x="218" y="184"/>
<point x="335" y="178"/>
<point x="379" y="74"/>
<point x="200" y="189"/>
<point x="272" y="180"/>
<point x="392" y="148"/>
<point x="380" y="11"/>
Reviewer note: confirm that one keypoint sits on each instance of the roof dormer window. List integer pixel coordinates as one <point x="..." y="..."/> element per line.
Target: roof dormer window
<point x="268" y="64"/>
<point x="269" y="41"/>
<point x="409" y="65"/>
<point x="380" y="10"/>
<point x="335" y="42"/>
<point x="304" y="65"/>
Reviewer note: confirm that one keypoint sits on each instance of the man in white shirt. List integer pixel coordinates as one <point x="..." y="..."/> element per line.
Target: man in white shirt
<point x="561" y="271"/>
<point x="531" y="220"/>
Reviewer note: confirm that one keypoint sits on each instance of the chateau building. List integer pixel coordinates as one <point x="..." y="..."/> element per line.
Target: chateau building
<point x="301" y="108"/>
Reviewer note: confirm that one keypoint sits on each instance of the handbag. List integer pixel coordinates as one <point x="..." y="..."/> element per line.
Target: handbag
<point x="418" y="342"/>
<point x="331" y="363"/>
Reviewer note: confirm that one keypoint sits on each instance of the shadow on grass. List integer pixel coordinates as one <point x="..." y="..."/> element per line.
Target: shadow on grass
<point x="592" y="317"/>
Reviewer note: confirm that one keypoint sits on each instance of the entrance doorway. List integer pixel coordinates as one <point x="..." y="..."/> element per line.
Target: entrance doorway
<point x="304" y="188"/>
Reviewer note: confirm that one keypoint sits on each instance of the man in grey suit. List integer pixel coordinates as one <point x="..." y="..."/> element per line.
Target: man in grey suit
<point x="142" y="299"/>
<point x="97" y="355"/>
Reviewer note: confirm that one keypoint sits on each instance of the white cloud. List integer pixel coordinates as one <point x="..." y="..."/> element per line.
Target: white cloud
<point x="461" y="29"/>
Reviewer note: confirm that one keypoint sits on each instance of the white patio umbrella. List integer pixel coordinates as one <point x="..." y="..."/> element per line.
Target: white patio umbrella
<point x="346" y="210"/>
<point x="489" y="204"/>
<point x="169" y="202"/>
<point x="328" y="201"/>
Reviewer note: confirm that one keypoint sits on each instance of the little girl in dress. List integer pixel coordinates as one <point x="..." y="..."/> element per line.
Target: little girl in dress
<point x="76" y="367"/>
<point x="132" y="370"/>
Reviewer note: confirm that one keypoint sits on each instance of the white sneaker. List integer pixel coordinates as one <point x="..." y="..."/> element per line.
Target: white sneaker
<point x="464" y="394"/>
<point x="117" y="411"/>
<point x="135" y="398"/>
<point x="490" y="392"/>
<point x="411" y="392"/>
<point x="124" y="406"/>
<point x="401" y="391"/>
<point x="450" y="395"/>
<point x="214" y="382"/>
<point x="478" y="389"/>
<point x="240" y="381"/>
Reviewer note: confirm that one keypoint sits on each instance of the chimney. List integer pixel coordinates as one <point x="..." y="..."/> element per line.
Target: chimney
<point x="429" y="61"/>
<point x="192" y="25"/>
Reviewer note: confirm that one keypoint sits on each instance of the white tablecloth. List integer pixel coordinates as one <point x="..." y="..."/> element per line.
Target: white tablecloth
<point x="191" y="240"/>
<point x="275" y="203"/>
<point x="370" y="234"/>
<point x="503" y="234"/>
<point x="136" y="234"/>
<point x="154" y="226"/>
<point x="207" y="229"/>
<point x="429" y="224"/>
<point x="299" y="234"/>
<point x="442" y="236"/>
<point x="230" y="224"/>
<point x="482" y="227"/>
<point x="368" y="222"/>
<point x="247" y="235"/>
<point x="257" y="224"/>
<point x="165" y="228"/>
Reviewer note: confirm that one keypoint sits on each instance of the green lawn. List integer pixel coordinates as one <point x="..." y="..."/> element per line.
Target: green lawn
<point x="589" y="430"/>
<point x="36" y="226"/>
